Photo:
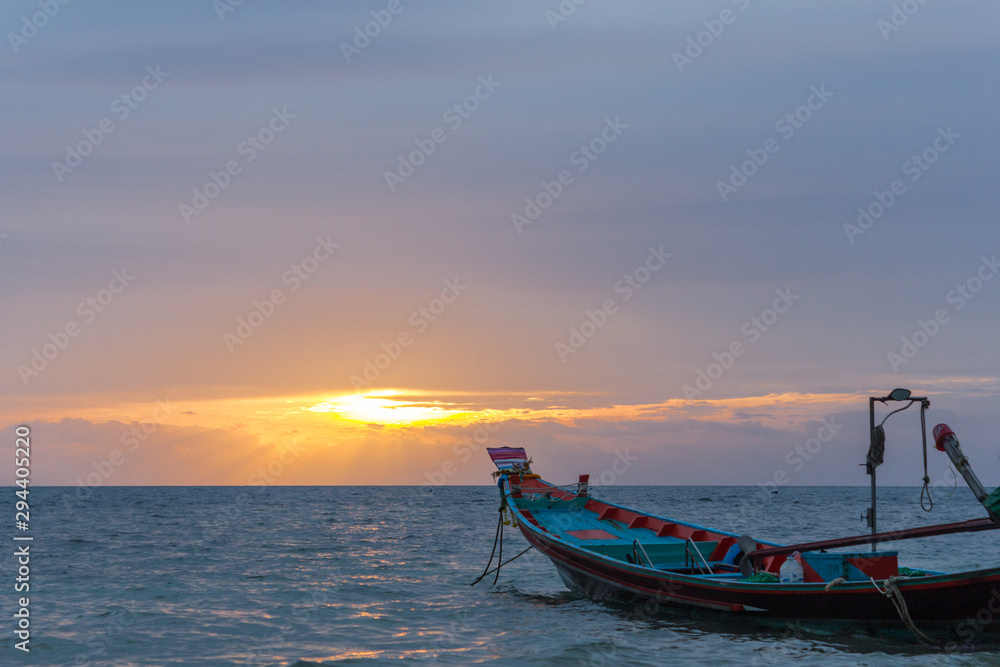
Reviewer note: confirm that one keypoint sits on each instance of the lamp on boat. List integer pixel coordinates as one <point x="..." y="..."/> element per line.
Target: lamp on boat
<point x="899" y="395"/>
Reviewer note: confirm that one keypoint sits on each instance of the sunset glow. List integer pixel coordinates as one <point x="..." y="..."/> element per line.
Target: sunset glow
<point x="375" y="408"/>
<point x="370" y="251"/>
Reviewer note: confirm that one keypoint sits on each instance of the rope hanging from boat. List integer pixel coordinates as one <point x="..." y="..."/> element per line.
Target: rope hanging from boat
<point x="876" y="452"/>
<point x="498" y="540"/>
<point x="500" y="556"/>
<point x="896" y="597"/>
<point x="495" y="539"/>
<point x="504" y="563"/>
<point x="927" y="480"/>
<point x="954" y="478"/>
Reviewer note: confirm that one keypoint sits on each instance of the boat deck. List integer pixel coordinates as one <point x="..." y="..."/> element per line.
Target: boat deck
<point x="615" y="539"/>
<point x="614" y="532"/>
<point x="672" y="546"/>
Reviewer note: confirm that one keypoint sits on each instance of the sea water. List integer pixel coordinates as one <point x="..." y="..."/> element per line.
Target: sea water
<point x="359" y="575"/>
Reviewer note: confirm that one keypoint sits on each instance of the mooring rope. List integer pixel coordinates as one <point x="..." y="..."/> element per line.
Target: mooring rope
<point x="500" y="556"/>
<point x="504" y="563"/>
<point x="498" y="539"/>
<point x="896" y="597"/>
<point x="495" y="538"/>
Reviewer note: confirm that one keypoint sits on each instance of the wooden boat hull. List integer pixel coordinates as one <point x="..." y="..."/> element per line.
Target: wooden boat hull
<point x="566" y="527"/>
<point x="971" y="596"/>
<point x="610" y="552"/>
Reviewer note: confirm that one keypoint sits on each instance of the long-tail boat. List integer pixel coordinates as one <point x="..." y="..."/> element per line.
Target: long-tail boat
<point x="611" y="552"/>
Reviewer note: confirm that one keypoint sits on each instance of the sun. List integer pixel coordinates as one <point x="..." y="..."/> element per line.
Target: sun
<point x="385" y="407"/>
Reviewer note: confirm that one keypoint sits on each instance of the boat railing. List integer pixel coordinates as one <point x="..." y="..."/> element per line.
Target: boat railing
<point x="637" y="543"/>
<point x="688" y="545"/>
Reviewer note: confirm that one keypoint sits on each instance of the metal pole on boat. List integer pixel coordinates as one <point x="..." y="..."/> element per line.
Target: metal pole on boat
<point x="871" y="469"/>
<point x="876" y="448"/>
<point x="970" y="526"/>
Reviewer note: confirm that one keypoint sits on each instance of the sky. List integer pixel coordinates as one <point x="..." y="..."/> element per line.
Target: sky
<point x="359" y="242"/>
